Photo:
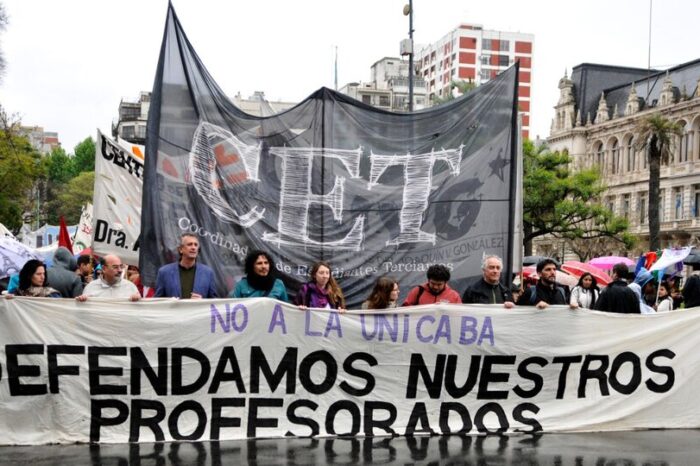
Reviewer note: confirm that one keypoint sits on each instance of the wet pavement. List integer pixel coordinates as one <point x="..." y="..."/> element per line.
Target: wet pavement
<point x="641" y="448"/>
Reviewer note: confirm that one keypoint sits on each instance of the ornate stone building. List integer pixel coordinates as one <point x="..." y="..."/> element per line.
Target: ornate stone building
<point x="595" y="118"/>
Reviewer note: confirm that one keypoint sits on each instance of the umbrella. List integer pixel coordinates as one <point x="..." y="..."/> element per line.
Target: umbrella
<point x="608" y="262"/>
<point x="534" y="260"/>
<point x="13" y="256"/>
<point x="563" y="278"/>
<point x="577" y="269"/>
<point x="693" y="258"/>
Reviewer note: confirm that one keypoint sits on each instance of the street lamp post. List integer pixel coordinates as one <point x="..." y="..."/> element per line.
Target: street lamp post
<point x="408" y="11"/>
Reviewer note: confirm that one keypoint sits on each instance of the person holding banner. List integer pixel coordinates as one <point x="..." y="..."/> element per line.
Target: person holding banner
<point x="111" y="284"/>
<point x="186" y="278"/>
<point x="260" y="281"/>
<point x="435" y="290"/>
<point x="489" y="289"/>
<point x="322" y="291"/>
<point x="546" y="292"/>
<point x="385" y="294"/>
<point x="33" y="282"/>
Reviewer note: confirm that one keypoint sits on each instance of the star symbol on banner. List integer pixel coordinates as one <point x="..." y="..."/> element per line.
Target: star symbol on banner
<point x="498" y="164"/>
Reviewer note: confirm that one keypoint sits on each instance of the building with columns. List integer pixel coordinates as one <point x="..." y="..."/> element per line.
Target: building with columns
<point x="595" y="118"/>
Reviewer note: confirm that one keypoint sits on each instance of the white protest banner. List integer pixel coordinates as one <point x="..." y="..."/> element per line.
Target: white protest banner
<point x="83" y="234"/>
<point x="159" y="370"/>
<point x="117" y="199"/>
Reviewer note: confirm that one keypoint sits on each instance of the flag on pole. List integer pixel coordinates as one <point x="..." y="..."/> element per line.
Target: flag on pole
<point x="64" y="237"/>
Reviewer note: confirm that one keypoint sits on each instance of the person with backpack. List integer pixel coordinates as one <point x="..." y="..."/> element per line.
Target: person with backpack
<point x="546" y="292"/>
<point x="260" y="280"/>
<point x="435" y="290"/>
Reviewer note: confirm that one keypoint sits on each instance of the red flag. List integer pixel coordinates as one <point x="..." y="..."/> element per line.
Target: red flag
<point x="64" y="236"/>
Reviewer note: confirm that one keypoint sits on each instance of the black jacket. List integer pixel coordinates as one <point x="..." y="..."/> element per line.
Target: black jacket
<point x="618" y="297"/>
<point x="556" y="295"/>
<point x="481" y="292"/>
<point x="691" y="292"/>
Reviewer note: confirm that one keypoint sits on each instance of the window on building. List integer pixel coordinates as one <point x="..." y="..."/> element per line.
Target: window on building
<point x="600" y="157"/>
<point x="626" y="206"/>
<point x="127" y="132"/>
<point x="383" y="100"/>
<point x="503" y="60"/>
<point x="678" y="203"/>
<point x="610" y="203"/>
<point x="486" y="44"/>
<point x="685" y="143"/>
<point x="484" y="75"/>
<point x="367" y="99"/>
<point x="631" y="155"/>
<point x="643" y="209"/>
<point x="485" y="59"/>
<point x="615" y="153"/>
<point x="504" y="45"/>
<point x="695" y="208"/>
<point x="662" y="205"/>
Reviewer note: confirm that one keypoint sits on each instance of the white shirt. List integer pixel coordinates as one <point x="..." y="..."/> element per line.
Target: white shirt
<point x="101" y="289"/>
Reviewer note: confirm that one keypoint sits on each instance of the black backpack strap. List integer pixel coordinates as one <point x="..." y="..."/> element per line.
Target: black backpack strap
<point x="420" y="293"/>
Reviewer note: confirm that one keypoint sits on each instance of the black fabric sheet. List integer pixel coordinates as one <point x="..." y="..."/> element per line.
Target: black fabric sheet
<point x="372" y="192"/>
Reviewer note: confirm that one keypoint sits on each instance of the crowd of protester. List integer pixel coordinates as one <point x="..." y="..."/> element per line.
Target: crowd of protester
<point x="188" y="278"/>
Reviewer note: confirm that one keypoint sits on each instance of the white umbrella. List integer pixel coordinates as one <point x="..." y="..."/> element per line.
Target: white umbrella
<point x="13" y="256"/>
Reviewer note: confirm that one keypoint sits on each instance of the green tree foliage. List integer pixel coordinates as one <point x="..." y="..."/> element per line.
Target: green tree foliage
<point x="76" y="193"/>
<point x="20" y="168"/>
<point x="59" y="167"/>
<point x="656" y="134"/>
<point x="564" y="203"/>
<point x="462" y="86"/>
<point x="84" y="158"/>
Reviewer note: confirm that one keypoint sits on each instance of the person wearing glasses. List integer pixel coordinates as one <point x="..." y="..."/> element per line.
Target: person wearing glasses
<point x="110" y="284"/>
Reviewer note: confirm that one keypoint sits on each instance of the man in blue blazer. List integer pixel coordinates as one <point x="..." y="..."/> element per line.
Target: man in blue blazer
<point x="186" y="279"/>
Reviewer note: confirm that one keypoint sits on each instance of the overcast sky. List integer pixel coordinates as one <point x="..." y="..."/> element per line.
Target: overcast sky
<point x="70" y="62"/>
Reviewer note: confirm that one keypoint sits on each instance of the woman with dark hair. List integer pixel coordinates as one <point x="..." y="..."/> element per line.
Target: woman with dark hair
<point x="32" y="281"/>
<point x="385" y="294"/>
<point x="585" y="294"/>
<point x="665" y="300"/>
<point x="322" y="291"/>
<point x="260" y="281"/>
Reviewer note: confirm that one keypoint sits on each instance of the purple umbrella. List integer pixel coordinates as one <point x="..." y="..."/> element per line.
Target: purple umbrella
<point x="608" y="262"/>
